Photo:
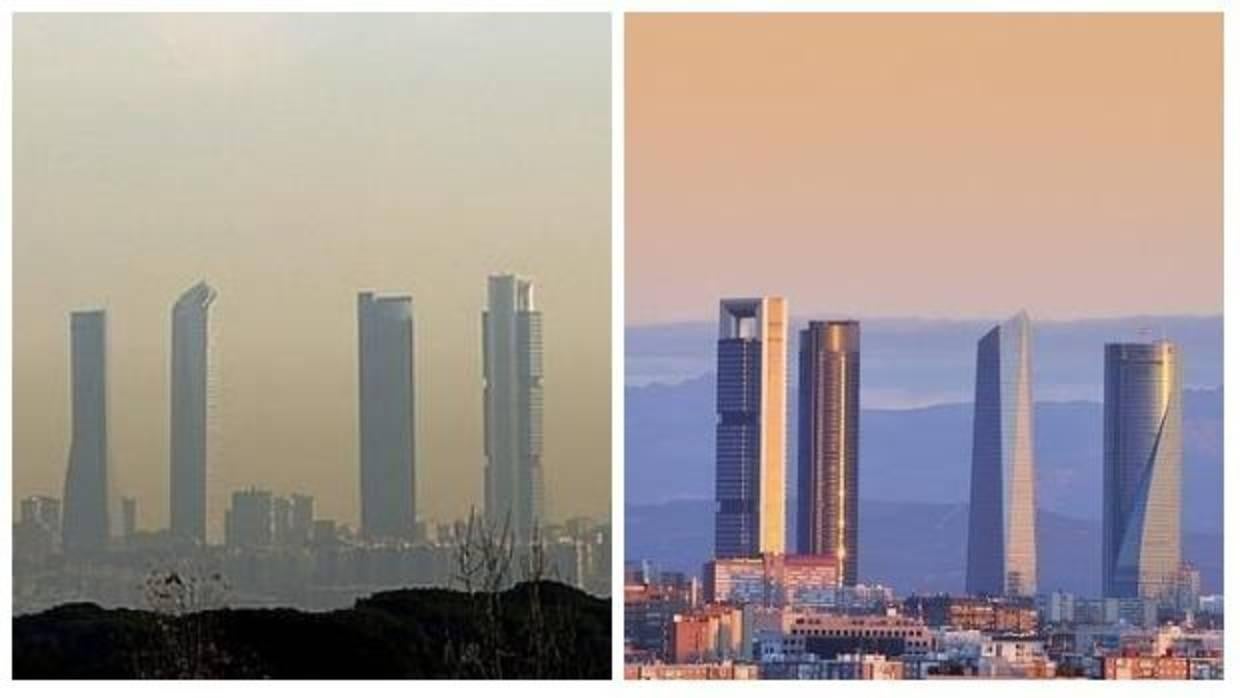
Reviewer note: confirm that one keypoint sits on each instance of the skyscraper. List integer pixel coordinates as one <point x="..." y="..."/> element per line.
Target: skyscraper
<point x="189" y="404"/>
<point x="250" y="523"/>
<point x="829" y="412"/>
<point x="386" y="415"/>
<point x="85" y="526"/>
<point x="1002" y="554"/>
<point x="751" y="402"/>
<point x="512" y="374"/>
<point x="1141" y="470"/>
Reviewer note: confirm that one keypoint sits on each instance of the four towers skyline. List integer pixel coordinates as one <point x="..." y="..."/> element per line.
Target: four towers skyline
<point x="1142" y="431"/>
<point x="1142" y="466"/>
<point x="386" y="416"/>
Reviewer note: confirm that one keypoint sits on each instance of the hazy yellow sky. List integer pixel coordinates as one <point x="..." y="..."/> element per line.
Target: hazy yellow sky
<point x="942" y="165"/>
<point x="293" y="161"/>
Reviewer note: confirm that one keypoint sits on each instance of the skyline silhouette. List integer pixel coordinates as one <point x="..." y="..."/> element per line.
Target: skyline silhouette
<point x="292" y="170"/>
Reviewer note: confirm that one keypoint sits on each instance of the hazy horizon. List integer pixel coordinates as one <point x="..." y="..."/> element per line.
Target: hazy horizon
<point x="710" y="318"/>
<point x="293" y="161"/>
<point x="912" y="363"/>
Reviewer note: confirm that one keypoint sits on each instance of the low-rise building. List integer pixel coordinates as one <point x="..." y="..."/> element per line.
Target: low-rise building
<point x="849" y="667"/>
<point x="710" y="634"/>
<point x="1144" y="667"/>
<point x="726" y="671"/>
<point x="772" y="580"/>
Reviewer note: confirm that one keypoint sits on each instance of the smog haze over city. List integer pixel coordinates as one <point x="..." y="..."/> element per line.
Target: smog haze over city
<point x="292" y="162"/>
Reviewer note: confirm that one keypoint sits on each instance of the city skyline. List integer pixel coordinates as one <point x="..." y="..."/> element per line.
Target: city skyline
<point x="247" y="167"/>
<point x="512" y="377"/>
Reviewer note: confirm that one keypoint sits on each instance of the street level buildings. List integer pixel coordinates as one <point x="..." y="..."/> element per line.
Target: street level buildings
<point x="772" y="580"/>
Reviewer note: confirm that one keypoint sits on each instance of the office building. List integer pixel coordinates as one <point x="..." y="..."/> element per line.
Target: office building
<point x="249" y="523"/>
<point x="751" y="397"/>
<point x="386" y="415"/>
<point x="829" y="413"/>
<point x="190" y="402"/>
<point x="773" y="580"/>
<point x="1002" y="552"/>
<point x="512" y="356"/>
<point x="303" y="518"/>
<point x="829" y="635"/>
<point x="1142" y="425"/>
<point x="86" y="525"/>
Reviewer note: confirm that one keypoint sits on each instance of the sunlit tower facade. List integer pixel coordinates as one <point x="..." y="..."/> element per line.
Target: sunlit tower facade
<point x="189" y="404"/>
<point x="828" y="438"/>
<point x="85" y="528"/>
<point x="386" y="416"/>
<point x="512" y="357"/>
<point x="750" y="431"/>
<point x="1142" y="469"/>
<point x="1002" y="549"/>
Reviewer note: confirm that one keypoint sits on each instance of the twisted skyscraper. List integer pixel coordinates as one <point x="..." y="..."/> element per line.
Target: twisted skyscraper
<point x="512" y="352"/>
<point x="189" y="405"/>
<point x="751" y="407"/>
<point x="1002" y="555"/>
<point x="1142" y="469"/>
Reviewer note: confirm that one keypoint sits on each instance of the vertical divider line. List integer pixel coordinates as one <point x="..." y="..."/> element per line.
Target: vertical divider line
<point x="617" y="343"/>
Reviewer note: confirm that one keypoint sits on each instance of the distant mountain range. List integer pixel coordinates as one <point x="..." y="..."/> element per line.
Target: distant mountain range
<point x="918" y="455"/>
<point x="919" y="362"/>
<point x="910" y="546"/>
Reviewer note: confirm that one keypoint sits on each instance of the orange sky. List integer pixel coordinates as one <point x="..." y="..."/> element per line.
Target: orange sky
<point x="939" y="165"/>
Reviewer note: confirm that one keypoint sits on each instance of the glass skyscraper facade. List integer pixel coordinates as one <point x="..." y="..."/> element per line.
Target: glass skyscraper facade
<point x="750" y="441"/>
<point x="189" y="403"/>
<point x="1002" y="548"/>
<point x="512" y="355"/>
<point x="1142" y="465"/>
<point x="829" y="413"/>
<point x="85" y="528"/>
<point x="386" y="415"/>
